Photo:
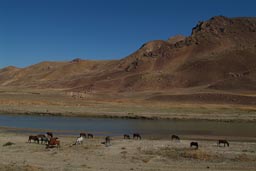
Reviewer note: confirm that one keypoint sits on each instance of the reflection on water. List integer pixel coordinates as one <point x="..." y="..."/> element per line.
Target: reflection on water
<point x="115" y="126"/>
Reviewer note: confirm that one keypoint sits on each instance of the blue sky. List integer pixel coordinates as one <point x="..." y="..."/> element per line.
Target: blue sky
<point x="32" y="31"/>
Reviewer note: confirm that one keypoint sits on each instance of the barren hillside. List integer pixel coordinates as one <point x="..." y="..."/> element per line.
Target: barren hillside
<point x="220" y="54"/>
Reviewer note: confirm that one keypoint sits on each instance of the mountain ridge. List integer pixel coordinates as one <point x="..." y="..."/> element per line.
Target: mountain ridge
<point x="219" y="54"/>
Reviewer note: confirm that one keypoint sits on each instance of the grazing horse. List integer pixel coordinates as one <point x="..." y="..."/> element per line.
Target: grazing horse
<point x="126" y="136"/>
<point x="34" y="138"/>
<point x="107" y="140"/>
<point x="195" y="144"/>
<point x="175" y="137"/>
<point x="223" y="142"/>
<point x="137" y="136"/>
<point x="54" y="142"/>
<point x="83" y="134"/>
<point x="79" y="140"/>
<point x="49" y="134"/>
<point x="42" y="138"/>
<point x="90" y="135"/>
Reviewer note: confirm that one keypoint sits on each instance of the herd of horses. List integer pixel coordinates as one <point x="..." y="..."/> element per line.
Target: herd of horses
<point x="52" y="142"/>
<point x="46" y="139"/>
<point x="195" y="145"/>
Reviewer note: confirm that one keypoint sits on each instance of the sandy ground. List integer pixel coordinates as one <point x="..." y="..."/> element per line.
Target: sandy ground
<point x="144" y="155"/>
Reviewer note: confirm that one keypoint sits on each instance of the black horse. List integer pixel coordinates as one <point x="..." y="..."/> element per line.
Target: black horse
<point x="195" y="144"/>
<point x="43" y="138"/>
<point x="137" y="136"/>
<point x="126" y="136"/>
<point x="82" y="134"/>
<point x="90" y="135"/>
<point x="225" y="142"/>
<point x="107" y="140"/>
<point x="175" y="137"/>
<point x="50" y="134"/>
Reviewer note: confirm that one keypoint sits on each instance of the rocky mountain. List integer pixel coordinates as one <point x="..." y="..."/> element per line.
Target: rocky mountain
<point x="220" y="54"/>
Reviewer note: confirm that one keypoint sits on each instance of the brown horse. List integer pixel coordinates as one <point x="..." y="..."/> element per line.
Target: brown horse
<point x="90" y="135"/>
<point x="137" y="136"/>
<point x="34" y="138"/>
<point x="225" y="142"/>
<point x="126" y="136"/>
<point x="53" y="142"/>
<point x="195" y="144"/>
<point x="175" y="137"/>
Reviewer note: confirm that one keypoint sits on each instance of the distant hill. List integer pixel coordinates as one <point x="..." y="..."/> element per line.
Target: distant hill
<point x="220" y="54"/>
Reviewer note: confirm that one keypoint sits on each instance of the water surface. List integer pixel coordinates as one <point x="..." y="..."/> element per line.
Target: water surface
<point x="116" y="126"/>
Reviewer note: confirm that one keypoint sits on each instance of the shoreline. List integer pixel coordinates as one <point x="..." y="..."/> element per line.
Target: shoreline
<point x="102" y="135"/>
<point x="126" y="116"/>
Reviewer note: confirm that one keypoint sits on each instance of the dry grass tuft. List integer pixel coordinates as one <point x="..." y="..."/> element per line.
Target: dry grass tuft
<point x="244" y="158"/>
<point x="178" y="153"/>
<point x="197" y="154"/>
<point x="8" y="144"/>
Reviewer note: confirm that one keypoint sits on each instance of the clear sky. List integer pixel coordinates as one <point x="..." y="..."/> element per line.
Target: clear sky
<point x="32" y="31"/>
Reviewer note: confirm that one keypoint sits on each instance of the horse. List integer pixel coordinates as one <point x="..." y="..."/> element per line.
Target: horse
<point x="79" y="140"/>
<point x="34" y="138"/>
<point x="137" y="136"/>
<point x="194" y="144"/>
<point x="90" y="135"/>
<point x="43" y="138"/>
<point x="83" y="134"/>
<point x="107" y="140"/>
<point x="49" y="134"/>
<point x="175" y="137"/>
<point x="53" y="142"/>
<point x="126" y="136"/>
<point x="223" y="142"/>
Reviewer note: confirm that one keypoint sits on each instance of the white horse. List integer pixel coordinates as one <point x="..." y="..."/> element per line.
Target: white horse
<point x="79" y="140"/>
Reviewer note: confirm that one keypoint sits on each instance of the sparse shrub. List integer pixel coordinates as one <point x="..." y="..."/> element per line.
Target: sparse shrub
<point x="8" y="144"/>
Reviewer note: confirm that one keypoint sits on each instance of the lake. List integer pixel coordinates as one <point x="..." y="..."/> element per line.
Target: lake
<point x="116" y="126"/>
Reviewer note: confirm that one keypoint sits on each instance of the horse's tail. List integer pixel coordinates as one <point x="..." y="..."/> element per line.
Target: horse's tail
<point x="228" y="144"/>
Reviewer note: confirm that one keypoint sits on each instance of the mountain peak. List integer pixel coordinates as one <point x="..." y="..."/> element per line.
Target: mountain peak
<point x="176" y="39"/>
